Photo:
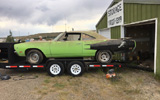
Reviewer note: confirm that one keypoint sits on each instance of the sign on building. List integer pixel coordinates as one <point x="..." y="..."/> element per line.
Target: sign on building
<point x="115" y="15"/>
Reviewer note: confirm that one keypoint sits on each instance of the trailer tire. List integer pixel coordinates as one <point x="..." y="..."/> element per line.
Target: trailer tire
<point x="55" y="68"/>
<point x="104" y="56"/>
<point x="75" y="68"/>
<point x="34" y="57"/>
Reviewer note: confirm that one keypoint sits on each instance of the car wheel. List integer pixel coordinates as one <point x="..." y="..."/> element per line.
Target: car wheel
<point x="55" y="68"/>
<point x="75" y="68"/>
<point x="104" y="56"/>
<point x="34" y="57"/>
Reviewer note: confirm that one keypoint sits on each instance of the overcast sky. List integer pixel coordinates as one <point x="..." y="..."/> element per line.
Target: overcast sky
<point x="25" y="17"/>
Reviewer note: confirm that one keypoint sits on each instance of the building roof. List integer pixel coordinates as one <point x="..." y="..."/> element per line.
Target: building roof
<point x="140" y="1"/>
<point x="132" y="1"/>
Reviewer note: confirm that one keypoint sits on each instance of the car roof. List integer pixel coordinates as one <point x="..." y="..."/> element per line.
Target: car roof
<point x="91" y="33"/>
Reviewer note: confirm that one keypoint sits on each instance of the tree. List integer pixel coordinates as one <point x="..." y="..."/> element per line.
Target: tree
<point x="10" y="38"/>
<point x="10" y="32"/>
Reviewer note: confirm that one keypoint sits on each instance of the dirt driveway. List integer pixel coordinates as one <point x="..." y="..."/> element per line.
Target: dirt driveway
<point x="37" y="85"/>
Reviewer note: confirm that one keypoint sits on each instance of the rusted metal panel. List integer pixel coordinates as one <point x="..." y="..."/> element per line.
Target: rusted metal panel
<point x="117" y="45"/>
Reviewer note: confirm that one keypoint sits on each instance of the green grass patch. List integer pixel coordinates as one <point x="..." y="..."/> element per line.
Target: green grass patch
<point x="36" y="76"/>
<point x="157" y="77"/>
<point x="100" y="71"/>
<point x="132" y="91"/>
<point x="58" y="85"/>
<point x="47" y="81"/>
<point x="21" y="75"/>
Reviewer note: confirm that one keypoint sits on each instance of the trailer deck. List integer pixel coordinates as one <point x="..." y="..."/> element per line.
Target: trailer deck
<point x="74" y="66"/>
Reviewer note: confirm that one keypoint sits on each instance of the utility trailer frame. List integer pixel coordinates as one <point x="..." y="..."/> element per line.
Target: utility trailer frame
<point x="54" y="67"/>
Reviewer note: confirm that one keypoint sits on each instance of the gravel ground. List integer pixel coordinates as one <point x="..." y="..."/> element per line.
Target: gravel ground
<point x="37" y="85"/>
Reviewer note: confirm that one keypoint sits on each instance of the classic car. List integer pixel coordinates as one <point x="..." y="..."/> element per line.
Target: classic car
<point x="73" y="45"/>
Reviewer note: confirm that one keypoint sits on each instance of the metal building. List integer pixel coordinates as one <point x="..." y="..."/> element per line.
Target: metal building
<point x="139" y="19"/>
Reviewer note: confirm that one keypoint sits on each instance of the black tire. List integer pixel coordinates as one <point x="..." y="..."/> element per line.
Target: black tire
<point x="75" y="68"/>
<point x="34" y="57"/>
<point x="104" y="56"/>
<point x="55" y="68"/>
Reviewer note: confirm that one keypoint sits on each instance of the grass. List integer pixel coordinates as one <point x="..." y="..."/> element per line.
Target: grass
<point x="132" y="91"/>
<point x="58" y="85"/>
<point x="39" y="91"/>
<point x="21" y="75"/>
<point x="158" y="91"/>
<point x="130" y="85"/>
<point x="157" y="77"/>
<point x="47" y="81"/>
<point x="50" y="85"/>
<point x="100" y="71"/>
<point x="36" y="76"/>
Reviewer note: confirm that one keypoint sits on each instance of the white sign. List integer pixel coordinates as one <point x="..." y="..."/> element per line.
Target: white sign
<point x="115" y="15"/>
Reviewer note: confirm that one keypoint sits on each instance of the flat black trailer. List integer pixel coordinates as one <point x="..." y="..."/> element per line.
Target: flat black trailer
<point x="74" y="66"/>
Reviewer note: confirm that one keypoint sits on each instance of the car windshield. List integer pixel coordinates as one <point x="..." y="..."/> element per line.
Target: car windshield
<point x="55" y="39"/>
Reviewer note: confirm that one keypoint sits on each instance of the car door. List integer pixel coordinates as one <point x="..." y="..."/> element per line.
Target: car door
<point x="87" y="40"/>
<point x="70" y="45"/>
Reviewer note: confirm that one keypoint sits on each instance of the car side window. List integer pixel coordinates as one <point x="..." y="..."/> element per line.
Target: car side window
<point x="70" y="37"/>
<point x="87" y="37"/>
<point x="73" y="37"/>
<point x="61" y="38"/>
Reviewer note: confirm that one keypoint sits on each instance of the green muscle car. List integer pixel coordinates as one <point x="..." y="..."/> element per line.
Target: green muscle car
<point x="73" y="45"/>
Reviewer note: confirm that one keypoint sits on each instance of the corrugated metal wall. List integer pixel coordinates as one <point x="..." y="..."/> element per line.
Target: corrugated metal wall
<point x="133" y="13"/>
<point x="116" y="32"/>
<point x="103" y="23"/>
<point x="139" y="12"/>
<point x="158" y="46"/>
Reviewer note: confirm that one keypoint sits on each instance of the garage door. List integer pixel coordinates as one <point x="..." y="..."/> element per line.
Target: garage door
<point x="105" y="32"/>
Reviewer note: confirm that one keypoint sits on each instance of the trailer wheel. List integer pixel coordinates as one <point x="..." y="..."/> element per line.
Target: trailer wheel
<point x="34" y="57"/>
<point x="55" y="68"/>
<point x="104" y="56"/>
<point x="75" y="68"/>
